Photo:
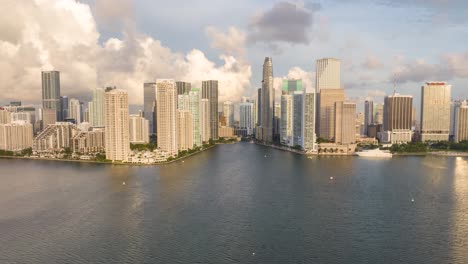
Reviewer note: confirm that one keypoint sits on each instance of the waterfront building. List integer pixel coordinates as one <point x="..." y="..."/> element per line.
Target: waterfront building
<point x="166" y="116"/>
<point x="259" y="107"/>
<point x="116" y="123"/>
<point x="309" y="122"/>
<point x="51" y="97"/>
<point x="326" y="112"/>
<point x="149" y="105"/>
<point x="87" y="142"/>
<point x="247" y="117"/>
<point x="327" y="74"/>
<point x="210" y="92"/>
<point x="298" y="117"/>
<point x="461" y="122"/>
<point x="268" y="102"/>
<point x="55" y="137"/>
<point x="228" y="112"/>
<point x="435" y="111"/>
<point x="96" y="108"/>
<point x="184" y="130"/>
<point x="138" y="129"/>
<point x="345" y="126"/>
<point x="191" y="102"/>
<point x="205" y="112"/>
<point x="16" y="136"/>
<point x="397" y="119"/>
<point x="226" y="132"/>
<point x="368" y="115"/>
<point x="74" y="110"/>
<point x="286" y="127"/>
<point x="183" y="87"/>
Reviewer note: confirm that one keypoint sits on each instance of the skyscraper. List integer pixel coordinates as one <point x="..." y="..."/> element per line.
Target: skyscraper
<point x="149" y="105"/>
<point x="64" y="107"/>
<point x="205" y="120"/>
<point x="184" y="130"/>
<point x="116" y="123"/>
<point x="259" y="107"/>
<point x="378" y="113"/>
<point x="345" y="127"/>
<point x="210" y="92"/>
<point x="435" y="111"/>
<point x="191" y="103"/>
<point x="397" y="119"/>
<point x="327" y="74"/>
<point x="326" y="112"/>
<point x="96" y="108"/>
<point x="368" y="115"/>
<point x="461" y="121"/>
<point x="309" y="121"/>
<point x="51" y="97"/>
<point x="268" y="101"/>
<point x="74" y="110"/>
<point x="138" y="129"/>
<point x="183" y="87"/>
<point x="166" y="115"/>
<point x="286" y="127"/>
<point x="246" y="117"/>
<point x="298" y="117"/>
<point x="228" y="112"/>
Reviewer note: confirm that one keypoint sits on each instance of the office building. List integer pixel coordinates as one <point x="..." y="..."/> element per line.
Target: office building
<point x="247" y="117"/>
<point x="378" y="113"/>
<point x="191" y="102"/>
<point x="210" y="92"/>
<point x="205" y="112"/>
<point x="327" y="74"/>
<point x="309" y="122"/>
<point x="55" y="137"/>
<point x="166" y="116"/>
<point x="368" y="115"/>
<point x="51" y="97"/>
<point x="96" y="108"/>
<point x="74" y="110"/>
<point x="183" y="87"/>
<point x="461" y="122"/>
<point x="138" y="129"/>
<point x="397" y="119"/>
<point x="116" y="123"/>
<point x="64" y="107"/>
<point x="268" y="102"/>
<point x="16" y="136"/>
<point x="149" y="105"/>
<point x="345" y="127"/>
<point x="228" y="113"/>
<point x="435" y="111"/>
<point x="326" y="112"/>
<point x="184" y="130"/>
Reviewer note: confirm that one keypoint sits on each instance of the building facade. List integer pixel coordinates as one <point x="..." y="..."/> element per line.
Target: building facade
<point x="247" y="117"/>
<point x="16" y="136"/>
<point x="51" y="97"/>
<point x="74" y="110"/>
<point x="205" y="129"/>
<point x="397" y="119"/>
<point x="138" y="129"/>
<point x="345" y="127"/>
<point x="435" y="111"/>
<point x="55" y="137"/>
<point x="327" y="74"/>
<point x="326" y="112"/>
<point x="183" y="87"/>
<point x="268" y="102"/>
<point x="149" y="105"/>
<point x="368" y="115"/>
<point x="210" y="92"/>
<point x="116" y="123"/>
<point x="166" y="116"/>
<point x="309" y="122"/>
<point x="87" y="142"/>
<point x="96" y="108"/>
<point x="228" y="112"/>
<point x="184" y="130"/>
<point x="461" y="122"/>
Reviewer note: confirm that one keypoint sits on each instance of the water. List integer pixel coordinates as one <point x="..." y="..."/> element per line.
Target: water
<point x="232" y="204"/>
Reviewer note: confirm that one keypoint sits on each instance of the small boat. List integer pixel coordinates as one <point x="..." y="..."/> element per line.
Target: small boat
<point x="374" y="153"/>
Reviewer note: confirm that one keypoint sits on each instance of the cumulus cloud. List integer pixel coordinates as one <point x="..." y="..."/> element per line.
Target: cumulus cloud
<point x="232" y="42"/>
<point x="296" y="73"/>
<point x="63" y="35"/>
<point x="449" y="66"/>
<point x="285" y="22"/>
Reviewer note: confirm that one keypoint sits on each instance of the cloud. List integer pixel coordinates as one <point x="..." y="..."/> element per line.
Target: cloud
<point x="372" y="63"/>
<point x="448" y="67"/>
<point x="295" y="73"/>
<point x="285" y="22"/>
<point x="63" y="35"/>
<point x="232" y="42"/>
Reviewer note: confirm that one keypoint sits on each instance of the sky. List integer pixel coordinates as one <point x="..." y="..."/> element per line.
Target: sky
<point x="383" y="44"/>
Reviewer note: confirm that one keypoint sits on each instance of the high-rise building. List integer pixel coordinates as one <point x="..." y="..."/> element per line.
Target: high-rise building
<point x="368" y="115"/>
<point x="326" y="112"/>
<point x="149" y="105"/>
<point x="5" y="116"/>
<point x="184" y="130"/>
<point x="286" y="127"/>
<point x="183" y="87"/>
<point x="298" y="117"/>
<point x="290" y="86"/>
<point x="16" y="136"/>
<point x="259" y="107"/>
<point x="191" y="102"/>
<point x="116" y="123"/>
<point x="92" y="141"/>
<point x="228" y="112"/>
<point x="268" y="102"/>
<point x="205" y="120"/>
<point x="435" y="111"/>
<point x="55" y="137"/>
<point x="96" y="108"/>
<point x="138" y="129"/>
<point x="246" y="117"/>
<point x="64" y="107"/>
<point x="378" y="113"/>
<point x="453" y="107"/>
<point x="309" y="121"/>
<point x="327" y="74"/>
<point x="210" y="92"/>
<point x="345" y="127"/>
<point x="74" y="110"/>
<point x="461" y="122"/>
<point x="51" y="97"/>
<point x="166" y="116"/>
<point x="397" y="119"/>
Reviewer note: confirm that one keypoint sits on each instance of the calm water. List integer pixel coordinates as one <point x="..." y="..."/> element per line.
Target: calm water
<point x="227" y="203"/>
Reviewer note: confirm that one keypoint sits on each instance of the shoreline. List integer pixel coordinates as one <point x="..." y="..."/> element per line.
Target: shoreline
<point x="106" y="162"/>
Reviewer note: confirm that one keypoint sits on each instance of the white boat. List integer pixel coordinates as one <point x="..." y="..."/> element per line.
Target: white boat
<point x="374" y="153"/>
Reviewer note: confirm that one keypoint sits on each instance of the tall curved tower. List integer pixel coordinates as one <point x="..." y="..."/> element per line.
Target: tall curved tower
<point x="268" y="101"/>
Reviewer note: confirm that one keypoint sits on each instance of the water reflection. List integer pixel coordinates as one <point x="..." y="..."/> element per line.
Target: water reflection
<point x="460" y="210"/>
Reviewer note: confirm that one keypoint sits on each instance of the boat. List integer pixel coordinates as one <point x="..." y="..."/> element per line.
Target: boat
<point x="374" y="153"/>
